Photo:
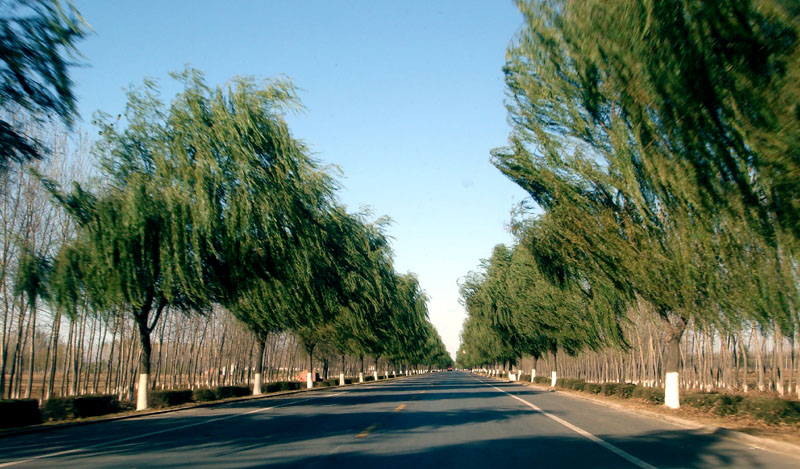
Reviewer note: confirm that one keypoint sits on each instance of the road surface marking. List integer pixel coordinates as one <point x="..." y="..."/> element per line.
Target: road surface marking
<point x="366" y="432"/>
<point x="399" y="408"/>
<point x="629" y="457"/>
<point x="166" y="430"/>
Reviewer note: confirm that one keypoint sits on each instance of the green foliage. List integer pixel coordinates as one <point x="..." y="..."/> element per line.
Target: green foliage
<point x="73" y="407"/>
<point x="33" y="271"/>
<point x="19" y="412"/>
<point x="625" y="390"/>
<point x="37" y="45"/>
<point x="169" y="398"/>
<point x="609" y="389"/>
<point x="542" y="380"/>
<point x="225" y="392"/>
<point x="650" y="134"/>
<point x="592" y="388"/>
<point x="651" y="395"/>
<point x="283" y="386"/>
<point x="204" y="395"/>
<point x="715" y="403"/>
<point x="771" y="410"/>
<point x="571" y="383"/>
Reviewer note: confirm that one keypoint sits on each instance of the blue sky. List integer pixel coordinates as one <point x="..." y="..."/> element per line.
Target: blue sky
<point x="405" y="97"/>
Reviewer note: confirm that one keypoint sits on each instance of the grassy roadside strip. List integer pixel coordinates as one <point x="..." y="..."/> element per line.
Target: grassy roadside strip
<point x="57" y="424"/>
<point x="780" y="439"/>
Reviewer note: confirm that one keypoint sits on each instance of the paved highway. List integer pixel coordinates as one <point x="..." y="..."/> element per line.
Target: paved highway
<point x="440" y="420"/>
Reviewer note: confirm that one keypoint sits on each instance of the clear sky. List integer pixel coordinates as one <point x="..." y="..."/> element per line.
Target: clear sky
<point x="406" y="97"/>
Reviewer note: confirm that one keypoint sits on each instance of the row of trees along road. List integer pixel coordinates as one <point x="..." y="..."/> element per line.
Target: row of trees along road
<point x="658" y="140"/>
<point x="206" y="207"/>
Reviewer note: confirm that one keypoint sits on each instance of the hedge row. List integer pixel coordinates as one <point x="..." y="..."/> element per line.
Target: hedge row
<point x="22" y="412"/>
<point x="771" y="410"/>
<point x="75" y="407"/>
<point x="19" y="412"/>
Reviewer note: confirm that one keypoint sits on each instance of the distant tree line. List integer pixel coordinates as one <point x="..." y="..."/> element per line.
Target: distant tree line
<point x="658" y="140"/>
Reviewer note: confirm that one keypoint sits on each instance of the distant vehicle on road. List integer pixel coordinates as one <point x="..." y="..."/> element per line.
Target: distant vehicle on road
<point x="449" y="368"/>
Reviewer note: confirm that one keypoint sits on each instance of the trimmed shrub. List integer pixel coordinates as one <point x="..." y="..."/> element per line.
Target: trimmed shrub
<point x="369" y="378"/>
<point x="625" y="390"/>
<point x="541" y="380"/>
<point x="593" y="388"/>
<point x="651" y="395"/>
<point x="328" y="383"/>
<point x="204" y="395"/>
<point x="715" y="403"/>
<point x="525" y="378"/>
<point x="771" y="410"/>
<point x="19" y="412"/>
<point x="609" y="389"/>
<point x="159" y="399"/>
<point x="73" y="407"/>
<point x="225" y="392"/>
<point x="571" y="383"/>
<point x="283" y="386"/>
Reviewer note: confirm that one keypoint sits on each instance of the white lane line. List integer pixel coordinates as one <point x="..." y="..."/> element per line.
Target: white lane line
<point x="145" y="435"/>
<point x="627" y="456"/>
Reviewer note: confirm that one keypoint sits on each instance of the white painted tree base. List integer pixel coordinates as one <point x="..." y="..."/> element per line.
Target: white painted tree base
<point x="361" y="377"/>
<point x="375" y="375"/>
<point x="341" y="379"/>
<point x="309" y="381"/>
<point x="141" y="396"/>
<point x="257" y="385"/>
<point x="533" y="374"/>
<point x="553" y="380"/>
<point x="671" y="392"/>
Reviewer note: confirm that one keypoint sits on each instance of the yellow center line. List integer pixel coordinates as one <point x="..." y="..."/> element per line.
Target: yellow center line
<point x="366" y="432"/>
<point x="400" y="407"/>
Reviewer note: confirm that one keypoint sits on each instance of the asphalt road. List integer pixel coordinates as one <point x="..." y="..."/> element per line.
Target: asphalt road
<point x="448" y="419"/>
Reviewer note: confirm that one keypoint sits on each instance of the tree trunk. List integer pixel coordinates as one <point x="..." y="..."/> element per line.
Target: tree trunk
<point x="361" y="373"/>
<point x="262" y="342"/>
<point x="144" y="362"/>
<point x="341" y="373"/>
<point x="309" y="376"/>
<point x="32" y="351"/>
<point x="672" y="361"/>
<point x="759" y="359"/>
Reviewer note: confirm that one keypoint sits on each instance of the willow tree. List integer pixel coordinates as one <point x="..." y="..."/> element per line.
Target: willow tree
<point x="254" y="198"/>
<point x="204" y="199"/>
<point x="410" y="323"/>
<point x="31" y="280"/>
<point x="123" y="232"/>
<point x="344" y="282"/>
<point x="37" y="46"/>
<point x="620" y="188"/>
<point x="362" y="324"/>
